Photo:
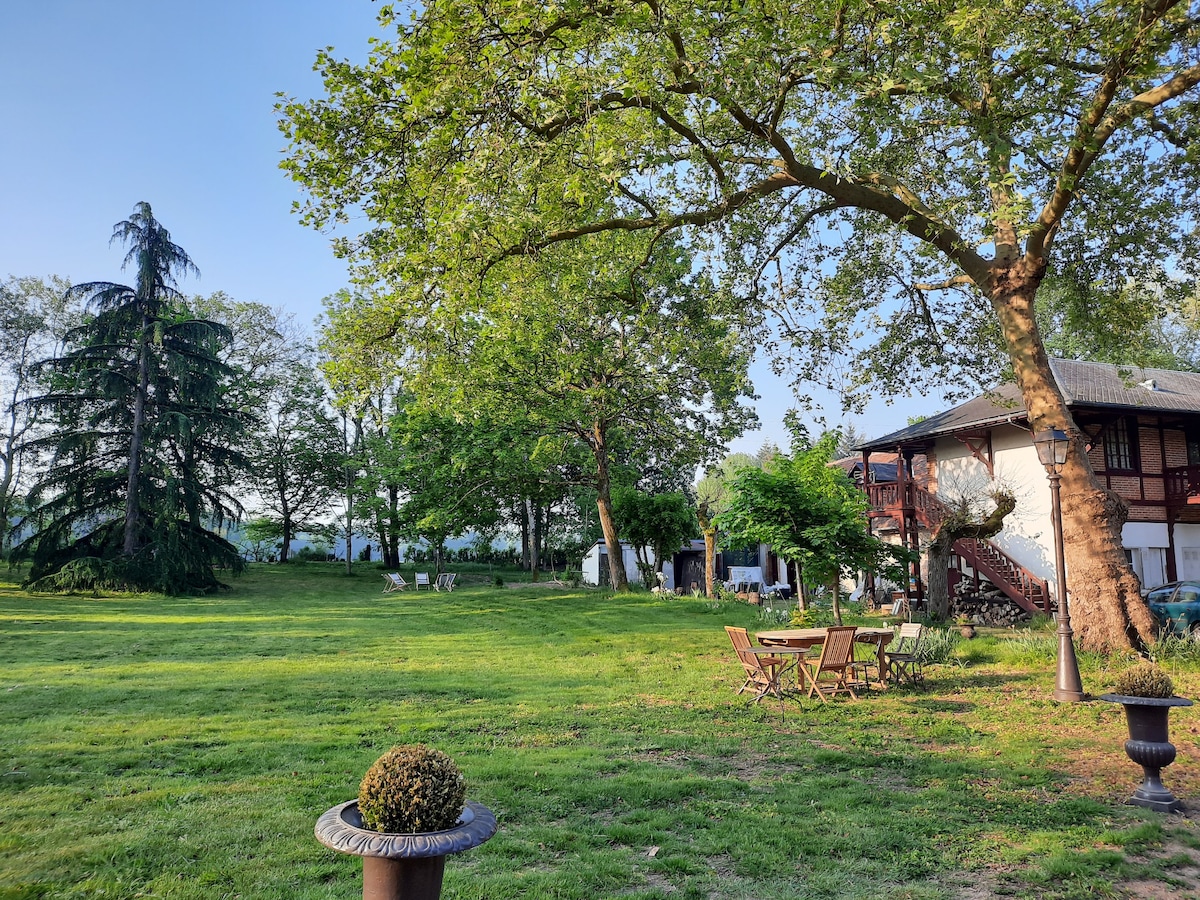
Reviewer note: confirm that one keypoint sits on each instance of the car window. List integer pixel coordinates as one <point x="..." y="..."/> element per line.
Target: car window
<point x="1162" y="594"/>
<point x="1188" y="593"/>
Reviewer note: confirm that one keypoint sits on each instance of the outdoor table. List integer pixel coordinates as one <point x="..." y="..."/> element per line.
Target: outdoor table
<point x="803" y="639"/>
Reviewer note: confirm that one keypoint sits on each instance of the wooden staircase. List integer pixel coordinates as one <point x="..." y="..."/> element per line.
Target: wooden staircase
<point x="984" y="558"/>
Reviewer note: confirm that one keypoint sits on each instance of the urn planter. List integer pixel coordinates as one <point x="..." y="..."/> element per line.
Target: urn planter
<point x="402" y="866"/>
<point x="1149" y="747"/>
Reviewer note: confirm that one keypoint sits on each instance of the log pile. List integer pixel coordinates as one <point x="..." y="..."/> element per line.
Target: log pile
<point x="988" y="606"/>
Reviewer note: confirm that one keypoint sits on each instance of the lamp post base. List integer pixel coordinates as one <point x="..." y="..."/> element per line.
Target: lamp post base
<point x="1068" y="688"/>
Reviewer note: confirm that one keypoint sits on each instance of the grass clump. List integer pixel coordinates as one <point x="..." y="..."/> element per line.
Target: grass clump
<point x="1144" y="680"/>
<point x="412" y="789"/>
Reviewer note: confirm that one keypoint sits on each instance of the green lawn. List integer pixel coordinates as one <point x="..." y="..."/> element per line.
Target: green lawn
<point x="184" y="747"/>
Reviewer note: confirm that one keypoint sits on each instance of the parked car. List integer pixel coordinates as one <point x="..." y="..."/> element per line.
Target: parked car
<point x="1176" y="607"/>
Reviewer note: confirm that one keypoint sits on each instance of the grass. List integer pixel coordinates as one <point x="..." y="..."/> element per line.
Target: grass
<point x="184" y="747"/>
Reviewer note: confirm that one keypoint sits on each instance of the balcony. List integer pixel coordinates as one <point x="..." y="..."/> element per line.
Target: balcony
<point x="1182" y="485"/>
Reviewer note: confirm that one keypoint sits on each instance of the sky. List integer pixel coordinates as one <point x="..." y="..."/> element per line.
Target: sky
<point x="106" y="103"/>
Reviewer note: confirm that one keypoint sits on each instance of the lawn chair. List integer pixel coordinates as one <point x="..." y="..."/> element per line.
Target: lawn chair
<point x="762" y="670"/>
<point x="445" y="582"/>
<point x="836" y="661"/>
<point x="394" y="582"/>
<point x="904" y="663"/>
<point x="421" y="578"/>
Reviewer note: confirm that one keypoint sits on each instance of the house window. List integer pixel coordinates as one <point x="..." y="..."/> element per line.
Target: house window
<point x="1120" y="450"/>
<point x="1193" y="446"/>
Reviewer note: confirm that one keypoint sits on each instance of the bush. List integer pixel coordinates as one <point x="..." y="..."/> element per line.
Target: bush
<point x="412" y="789"/>
<point x="938" y="645"/>
<point x="498" y="581"/>
<point x="1144" y="680"/>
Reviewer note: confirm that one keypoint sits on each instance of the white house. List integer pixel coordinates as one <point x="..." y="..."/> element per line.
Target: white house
<point x="1143" y="428"/>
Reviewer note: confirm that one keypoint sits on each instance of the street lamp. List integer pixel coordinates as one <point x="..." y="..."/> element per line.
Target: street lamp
<point x="1052" y="453"/>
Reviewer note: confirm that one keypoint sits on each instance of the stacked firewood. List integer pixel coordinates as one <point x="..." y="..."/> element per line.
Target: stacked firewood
<point x="988" y="606"/>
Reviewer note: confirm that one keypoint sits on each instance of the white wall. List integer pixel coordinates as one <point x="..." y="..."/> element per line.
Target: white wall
<point x="1028" y="534"/>
<point x="591" y="565"/>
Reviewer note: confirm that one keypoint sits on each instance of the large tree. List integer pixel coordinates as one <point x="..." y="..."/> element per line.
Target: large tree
<point x="911" y="168"/>
<point x="660" y="523"/>
<point x="596" y="343"/>
<point x="143" y="447"/>
<point x="34" y="315"/>
<point x="810" y="514"/>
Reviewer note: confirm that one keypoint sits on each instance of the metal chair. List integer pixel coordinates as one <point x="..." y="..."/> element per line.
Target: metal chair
<point x="904" y="663"/>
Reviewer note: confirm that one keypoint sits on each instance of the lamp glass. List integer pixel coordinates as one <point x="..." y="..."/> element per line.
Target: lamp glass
<point x="1051" y="446"/>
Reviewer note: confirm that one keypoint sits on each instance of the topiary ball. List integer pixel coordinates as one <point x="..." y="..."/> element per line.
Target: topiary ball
<point x="412" y="789"/>
<point x="1144" y="680"/>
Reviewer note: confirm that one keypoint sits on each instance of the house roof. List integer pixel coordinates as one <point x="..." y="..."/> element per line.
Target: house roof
<point x="1083" y="384"/>
<point x="880" y="471"/>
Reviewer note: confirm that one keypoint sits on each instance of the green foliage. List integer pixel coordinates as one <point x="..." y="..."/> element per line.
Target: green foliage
<point x="662" y="523"/>
<point x="142" y="444"/>
<point x="809" y="513"/>
<point x="410" y="789"/>
<point x="814" y="615"/>
<point x="85" y="573"/>
<point x="1144" y="679"/>
<point x="939" y="645"/>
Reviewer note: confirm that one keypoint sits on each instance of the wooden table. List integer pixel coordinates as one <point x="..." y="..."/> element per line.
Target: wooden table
<point x="804" y="638"/>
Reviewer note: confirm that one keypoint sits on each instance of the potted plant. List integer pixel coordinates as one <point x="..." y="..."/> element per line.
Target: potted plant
<point x="1147" y="694"/>
<point x="410" y="813"/>
<point x="965" y="626"/>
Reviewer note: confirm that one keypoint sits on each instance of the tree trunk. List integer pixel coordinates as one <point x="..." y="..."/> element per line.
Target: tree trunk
<point x="532" y="542"/>
<point x="616" y="559"/>
<point x="132" y="508"/>
<point x="709" y="531"/>
<point x="393" y="536"/>
<point x="837" y="600"/>
<point x="957" y="524"/>
<point x="524" y="536"/>
<point x="1107" y="611"/>
<point x="285" y="543"/>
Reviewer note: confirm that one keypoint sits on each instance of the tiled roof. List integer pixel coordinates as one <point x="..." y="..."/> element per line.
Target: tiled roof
<point x="1083" y="384"/>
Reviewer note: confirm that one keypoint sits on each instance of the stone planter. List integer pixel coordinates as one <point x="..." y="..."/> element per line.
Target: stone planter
<point x="1149" y="747"/>
<point x="402" y="866"/>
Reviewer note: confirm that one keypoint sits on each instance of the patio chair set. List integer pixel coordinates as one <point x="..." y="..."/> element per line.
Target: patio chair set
<point x="823" y="660"/>
<point x="395" y="582"/>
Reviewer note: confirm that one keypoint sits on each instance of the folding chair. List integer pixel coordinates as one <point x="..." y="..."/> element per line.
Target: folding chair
<point x="394" y="582"/>
<point x="445" y="582"/>
<point x="762" y="670"/>
<point x="904" y="663"/>
<point x="836" y="661"/>
<point x="421" y="578"/>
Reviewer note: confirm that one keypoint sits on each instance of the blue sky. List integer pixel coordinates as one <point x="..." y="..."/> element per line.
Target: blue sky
<point x="106" y="103"/>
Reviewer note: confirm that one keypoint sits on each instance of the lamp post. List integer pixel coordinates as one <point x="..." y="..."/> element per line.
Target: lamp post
<point x="1052" y="453"/>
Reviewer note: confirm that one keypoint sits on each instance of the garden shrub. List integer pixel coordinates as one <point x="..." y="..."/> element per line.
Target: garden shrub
<point x="410" y="789"/>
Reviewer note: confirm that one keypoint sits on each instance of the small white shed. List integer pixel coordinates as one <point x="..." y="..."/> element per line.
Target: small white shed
<point x="595" y="565"/>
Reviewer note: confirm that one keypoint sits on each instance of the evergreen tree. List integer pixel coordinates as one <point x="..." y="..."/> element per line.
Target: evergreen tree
<point x="141" y="444"/>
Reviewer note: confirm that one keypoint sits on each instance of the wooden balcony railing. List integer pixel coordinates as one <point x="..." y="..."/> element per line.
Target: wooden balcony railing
<point x="1182" y="484"/>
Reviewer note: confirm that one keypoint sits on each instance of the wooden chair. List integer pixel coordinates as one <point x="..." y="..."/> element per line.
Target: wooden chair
<point x="836" y="661"/>
<point x="904" y="663"/>
<point x="762" y="671"/>
<point x="445" y="582"/>
<point x="394" y="582"/>
<point x="421" y="578"/>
